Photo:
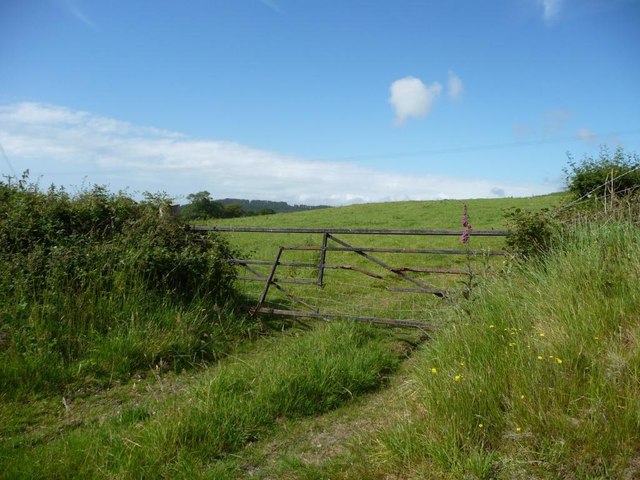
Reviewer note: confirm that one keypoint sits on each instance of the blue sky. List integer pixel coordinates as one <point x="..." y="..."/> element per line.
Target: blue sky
<point x="312" y="101"/>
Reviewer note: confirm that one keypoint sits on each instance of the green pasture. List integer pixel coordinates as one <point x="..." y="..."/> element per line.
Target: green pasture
<point x="350" y="292"/>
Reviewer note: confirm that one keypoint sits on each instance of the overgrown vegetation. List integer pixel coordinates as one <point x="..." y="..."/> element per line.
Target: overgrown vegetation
<point x="95" y="286"/>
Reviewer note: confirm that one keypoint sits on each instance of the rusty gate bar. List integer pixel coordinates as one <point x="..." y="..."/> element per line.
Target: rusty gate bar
<point x="328" y="266"/>
<point x="381" y="263"/>
<point x="262" y="278"/>
<point x="349" y="231"/>
<point x="269" y="280"/>
<point x="385" y="321"/>
<point x="398" y="250"/>
<point x="275" y="281"/>
<point x="450" y="271"/>
<point x="323" y="259"/>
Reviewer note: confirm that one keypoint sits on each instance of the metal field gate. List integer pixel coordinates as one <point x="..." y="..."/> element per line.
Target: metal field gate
<point x="375" y="275"/>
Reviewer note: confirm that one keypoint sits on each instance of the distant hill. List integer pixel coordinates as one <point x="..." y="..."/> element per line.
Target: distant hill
<point x="257" y="206"/>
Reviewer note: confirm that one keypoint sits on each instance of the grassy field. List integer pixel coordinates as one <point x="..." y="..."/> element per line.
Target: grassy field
<point x="534" y="376"/>
<point x="349" y="292"/>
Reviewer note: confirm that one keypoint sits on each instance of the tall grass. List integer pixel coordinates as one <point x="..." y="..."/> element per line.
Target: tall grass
<point x="236" y="403"/>
<point x="541" y="379"/>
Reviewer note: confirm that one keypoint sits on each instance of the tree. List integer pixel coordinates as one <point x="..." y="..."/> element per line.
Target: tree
<point x="201" y="206"/>
<point x="617" y="174"/>
<point x="233" y="211"/>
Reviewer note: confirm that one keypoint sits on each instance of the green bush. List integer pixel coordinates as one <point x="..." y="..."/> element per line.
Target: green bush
<point x="532" y="232"/>
<point x="85" y="276"/>
<point x="609" y="174"/>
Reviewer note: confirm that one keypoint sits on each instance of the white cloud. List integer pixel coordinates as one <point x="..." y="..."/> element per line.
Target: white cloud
<point x="586" y="135"/>
<point x="51" y="140"/>
<point x="550" y="9"/>
<point x="410" y="97"/>
<point x="455" y="87"/>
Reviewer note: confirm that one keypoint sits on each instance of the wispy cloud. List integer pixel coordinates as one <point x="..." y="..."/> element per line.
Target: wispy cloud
<point x="586" y="135"/>
<point x="455" y="87"/>
<point x="550" y="9"/>
<point x="50" y="139"/>
<point x="272" y="5"/>
<point x="555" y="121"/>
<point x="74" y="9"/>
<point x="410" y="97"/>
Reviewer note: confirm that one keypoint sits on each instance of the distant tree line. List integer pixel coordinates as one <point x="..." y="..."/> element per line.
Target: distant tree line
<point x="201" y="206"/>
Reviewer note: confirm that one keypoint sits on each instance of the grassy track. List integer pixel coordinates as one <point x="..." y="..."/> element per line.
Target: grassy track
<point x="238" y="402"/>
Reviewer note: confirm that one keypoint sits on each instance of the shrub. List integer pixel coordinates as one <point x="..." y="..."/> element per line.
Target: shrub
<point x="607" y="175"/>
<point x="532" y="232"/>
<point x="95" y="279"/>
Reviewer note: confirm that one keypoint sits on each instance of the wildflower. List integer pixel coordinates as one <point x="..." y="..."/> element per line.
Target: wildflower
<point x="542" y="334"/>
<point x="434" y="370"/>
<point x="518" y="429"/>
<point x="521" y="397"/>
<point x="465" y="223"/>
<point x="457" y="378"/>
<point x="558" y="360"/>
<point x="539" y="357"/>
<point x="492" y="326"/>
<point x="480" y="425"/>
<point x="465" y="217"/>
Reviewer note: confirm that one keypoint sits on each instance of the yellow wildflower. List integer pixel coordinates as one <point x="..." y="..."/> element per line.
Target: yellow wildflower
<point x="518" y="429"/>
<point x="434" y="370"/>
<point x="558" y="360"/>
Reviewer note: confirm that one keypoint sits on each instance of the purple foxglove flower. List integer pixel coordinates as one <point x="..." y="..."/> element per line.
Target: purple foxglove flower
<point x="465" y="218"/>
